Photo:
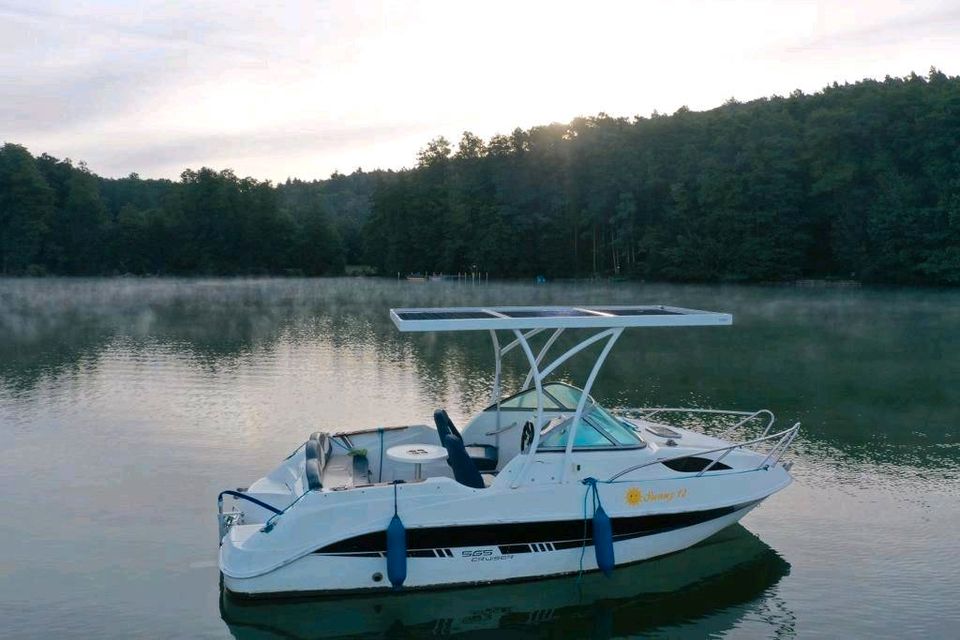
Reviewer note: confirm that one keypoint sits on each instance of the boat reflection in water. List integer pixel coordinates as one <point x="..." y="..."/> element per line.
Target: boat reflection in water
<point x="715" y="584"/>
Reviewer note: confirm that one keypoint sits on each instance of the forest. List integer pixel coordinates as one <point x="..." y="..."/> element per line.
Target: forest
<point x="858" y="181"/>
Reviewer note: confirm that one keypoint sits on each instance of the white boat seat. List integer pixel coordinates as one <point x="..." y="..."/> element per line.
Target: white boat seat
<point x="316" y="452"/>
<point x="324" y="442"/>
<point x="312" y="470"/>
<point x="339" y="472"/>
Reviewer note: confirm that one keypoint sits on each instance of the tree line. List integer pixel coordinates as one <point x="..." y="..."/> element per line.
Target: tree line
<point x="856" y="181"/>
<point x="59" y="218"/>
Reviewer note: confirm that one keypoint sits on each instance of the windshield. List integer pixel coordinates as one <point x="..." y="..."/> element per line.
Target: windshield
<point x="597" y="429"/>
<point x="587" y="436"/>
<point x="556" y="395"/>
<point x="528" y="400"/>
<point x="614" y="428"/>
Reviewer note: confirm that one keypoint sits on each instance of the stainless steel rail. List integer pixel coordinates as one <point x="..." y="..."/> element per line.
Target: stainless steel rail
<point x="645" y="413"/>
<point x="783" y="440"/>
<point x="502" y="429"/>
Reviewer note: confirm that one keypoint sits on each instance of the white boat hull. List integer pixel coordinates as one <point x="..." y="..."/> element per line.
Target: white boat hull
<point x="457" y="566"/>
<point x="528" y="521"/>
<point x="704" y="583"/>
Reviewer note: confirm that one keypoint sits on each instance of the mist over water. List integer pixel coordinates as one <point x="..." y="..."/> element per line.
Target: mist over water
<point x="127" y="404"/>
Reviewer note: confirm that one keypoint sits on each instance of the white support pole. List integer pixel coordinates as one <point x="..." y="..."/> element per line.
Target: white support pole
<point x="577" y="349"/>
<point x="495" y="392"/>
<point x="538" y="420"/>
<point x="527" y="336"/>
<point x="583" y="399"/>
<point x="543" y="352"/>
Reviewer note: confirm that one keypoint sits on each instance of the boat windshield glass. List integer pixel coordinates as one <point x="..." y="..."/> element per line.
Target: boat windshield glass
<point x="528" y="400"/>
<point x="614" y="428"/>
<point x="588" y="436"/>
<point x="556" y="395"/>
<point x="566" y="395"/>
<point x="597" y="429"/>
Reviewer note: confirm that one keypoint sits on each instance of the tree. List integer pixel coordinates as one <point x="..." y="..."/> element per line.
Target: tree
<point x="436" y="152"/>
<point x="26" y="205"/>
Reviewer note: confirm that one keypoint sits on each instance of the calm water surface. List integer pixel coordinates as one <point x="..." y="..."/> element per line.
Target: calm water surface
<point x="126" y="405"/>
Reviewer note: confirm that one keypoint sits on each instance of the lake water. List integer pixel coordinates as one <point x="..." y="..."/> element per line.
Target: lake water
<point x="126" y="405"/>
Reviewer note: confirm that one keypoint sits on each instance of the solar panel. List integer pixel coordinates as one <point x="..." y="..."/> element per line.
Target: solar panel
<point x="451" y="314"/>
<point x="638" y="312"/>
<point x="552" y="317"/>
<point x="546" y="313"/>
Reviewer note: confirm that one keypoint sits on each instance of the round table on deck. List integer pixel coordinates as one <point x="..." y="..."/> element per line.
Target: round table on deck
<point x="416" y="454"/>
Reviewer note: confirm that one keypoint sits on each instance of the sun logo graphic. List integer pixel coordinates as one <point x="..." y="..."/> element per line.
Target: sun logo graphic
<point x="634" y="497"/>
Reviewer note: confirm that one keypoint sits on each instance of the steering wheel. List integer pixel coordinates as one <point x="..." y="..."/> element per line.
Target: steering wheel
<point x="526" y="436"/>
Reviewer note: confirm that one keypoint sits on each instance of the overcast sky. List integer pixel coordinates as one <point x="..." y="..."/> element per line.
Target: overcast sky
<point x="301" y="89"/>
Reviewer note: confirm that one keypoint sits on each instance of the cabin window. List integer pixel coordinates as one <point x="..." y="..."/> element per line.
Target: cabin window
<point x="694" y="464"/>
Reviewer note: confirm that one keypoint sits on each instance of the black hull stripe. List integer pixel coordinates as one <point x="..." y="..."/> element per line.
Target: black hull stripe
<point x="522" y="537"/>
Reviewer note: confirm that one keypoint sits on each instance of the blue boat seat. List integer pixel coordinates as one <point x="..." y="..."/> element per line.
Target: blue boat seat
<point x="484" y="456"/>
<point x="464" y="471"/>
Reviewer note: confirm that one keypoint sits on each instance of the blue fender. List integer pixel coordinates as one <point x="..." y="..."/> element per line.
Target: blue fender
<point x="603" y="540"/>
<point x="396" y="552"/>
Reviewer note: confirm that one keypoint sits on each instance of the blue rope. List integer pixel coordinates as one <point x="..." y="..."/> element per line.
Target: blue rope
<point x="380" y="473"/>
<point x="591" y="485"/>
<point x="591" y="490"/>
<point x="243" y="496"/>
<point x="583" y="545"/>
<point x="341" y="445"/>
<point x="294" y="452"/>
<point x="270" y="524"/>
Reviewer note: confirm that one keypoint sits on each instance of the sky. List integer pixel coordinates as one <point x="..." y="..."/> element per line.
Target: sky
<point x="302" y="89"/>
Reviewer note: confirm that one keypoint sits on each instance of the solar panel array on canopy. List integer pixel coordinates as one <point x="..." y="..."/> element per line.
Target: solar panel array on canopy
<point x="572" y="317"/>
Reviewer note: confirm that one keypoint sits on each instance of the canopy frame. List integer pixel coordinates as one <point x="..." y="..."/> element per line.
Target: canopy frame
<point x="525" y="323"/>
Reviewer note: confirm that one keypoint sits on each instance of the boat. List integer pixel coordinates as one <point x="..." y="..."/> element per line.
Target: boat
<point x="716" y="583"/>
<point x="542" y="482"/>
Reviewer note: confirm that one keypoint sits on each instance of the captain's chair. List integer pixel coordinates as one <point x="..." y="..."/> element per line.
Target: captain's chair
<point x="484" y="456"/>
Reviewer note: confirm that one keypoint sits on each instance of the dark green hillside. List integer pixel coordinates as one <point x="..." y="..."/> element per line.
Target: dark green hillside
<point x="857" y="181"/>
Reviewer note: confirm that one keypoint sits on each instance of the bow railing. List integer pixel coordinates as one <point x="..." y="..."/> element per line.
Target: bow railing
<point x="646" y="413"/>
<point x="781" y="442"/>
